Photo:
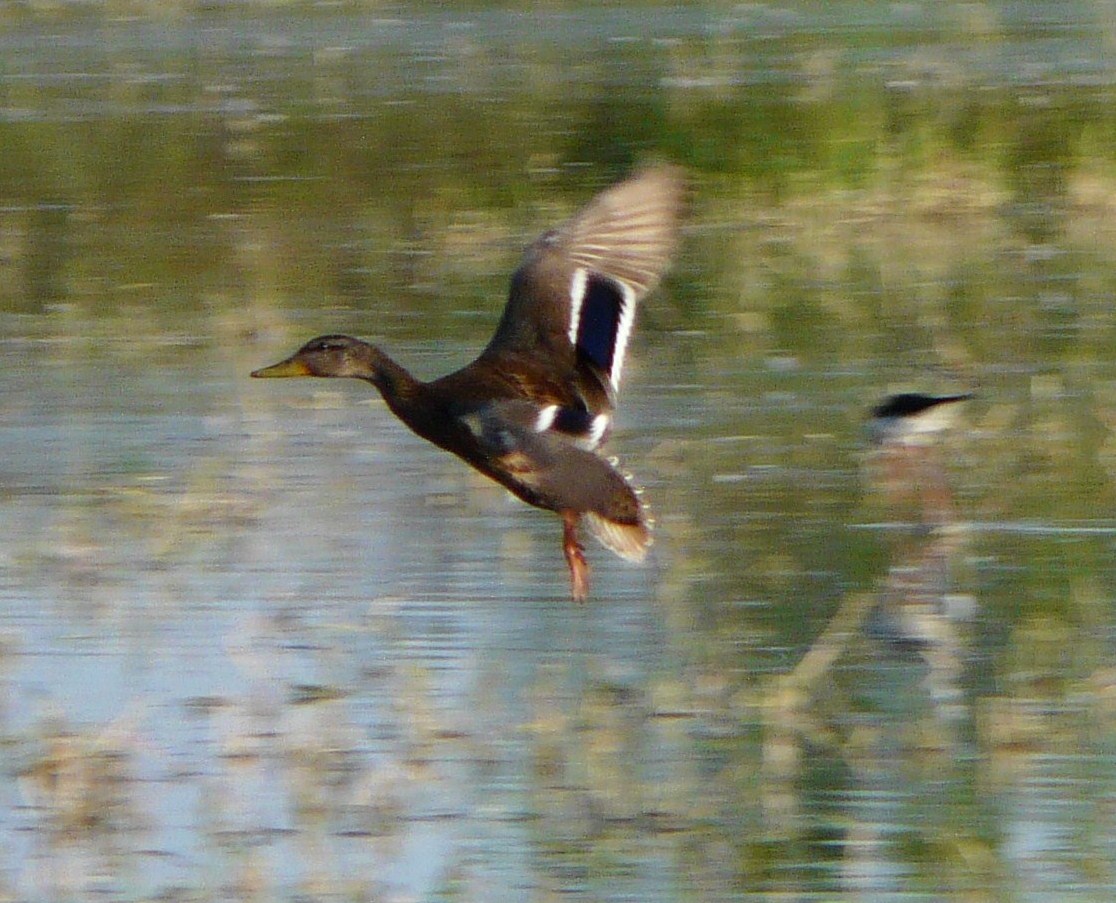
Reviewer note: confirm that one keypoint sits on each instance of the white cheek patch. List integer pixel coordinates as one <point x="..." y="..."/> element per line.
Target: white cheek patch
<point x="577" y="294"/>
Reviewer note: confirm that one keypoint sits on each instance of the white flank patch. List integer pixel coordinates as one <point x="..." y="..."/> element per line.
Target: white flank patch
<point x="545" y="420"/>
<point x="623" y="332"/>
<point x="577" y="293"/>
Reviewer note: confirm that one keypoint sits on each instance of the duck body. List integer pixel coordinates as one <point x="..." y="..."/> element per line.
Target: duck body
<point x="499" y="426"/>
<point x="531" y="411"/>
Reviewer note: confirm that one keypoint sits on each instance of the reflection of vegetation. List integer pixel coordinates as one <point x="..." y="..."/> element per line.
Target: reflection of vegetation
<point x="872" y="210"/>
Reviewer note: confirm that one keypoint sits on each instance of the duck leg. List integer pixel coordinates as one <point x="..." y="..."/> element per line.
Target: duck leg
<point x="575" y="556"/>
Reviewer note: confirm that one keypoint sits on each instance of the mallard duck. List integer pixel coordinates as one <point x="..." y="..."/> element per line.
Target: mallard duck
<point x="533" y="409"/>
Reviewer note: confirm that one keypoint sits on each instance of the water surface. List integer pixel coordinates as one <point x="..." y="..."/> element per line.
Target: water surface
<point x="260" y="642"/>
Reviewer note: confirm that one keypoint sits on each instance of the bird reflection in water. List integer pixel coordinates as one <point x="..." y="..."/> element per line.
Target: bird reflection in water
<point x="917" y="610"/>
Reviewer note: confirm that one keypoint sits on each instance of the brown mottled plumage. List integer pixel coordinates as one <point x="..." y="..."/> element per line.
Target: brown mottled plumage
<point x="531" y="410"/>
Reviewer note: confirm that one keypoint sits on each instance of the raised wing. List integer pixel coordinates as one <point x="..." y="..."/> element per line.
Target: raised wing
<point x="574" y="297"/>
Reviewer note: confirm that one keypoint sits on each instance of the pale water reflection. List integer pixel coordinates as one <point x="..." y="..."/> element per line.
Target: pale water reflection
<point x="259" y="642"/>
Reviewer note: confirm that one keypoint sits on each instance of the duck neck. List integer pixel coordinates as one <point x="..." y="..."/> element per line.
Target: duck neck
<point x="398" y="387"/>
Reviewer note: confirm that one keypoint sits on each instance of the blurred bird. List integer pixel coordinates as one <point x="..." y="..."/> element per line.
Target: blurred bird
<point x="904" y="427"/>
<point x="911" y="418"/>
<point x="531" y="411"/>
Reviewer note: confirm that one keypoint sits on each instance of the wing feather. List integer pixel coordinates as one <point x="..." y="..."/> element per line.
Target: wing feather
<point x="625" y="237"/>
